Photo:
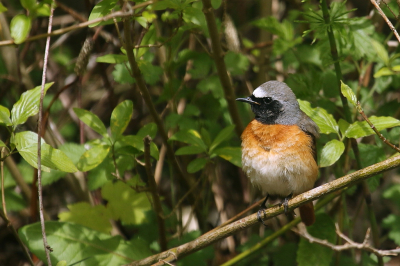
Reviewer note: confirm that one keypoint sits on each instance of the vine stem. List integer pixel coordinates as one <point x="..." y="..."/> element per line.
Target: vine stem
<point x="47" y="248"/>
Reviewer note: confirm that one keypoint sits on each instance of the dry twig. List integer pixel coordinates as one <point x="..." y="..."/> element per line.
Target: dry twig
<point x="386" y="19"/>
<point x="350" y="243"/>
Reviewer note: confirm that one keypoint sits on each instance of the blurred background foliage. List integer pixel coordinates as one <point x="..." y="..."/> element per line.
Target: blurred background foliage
<point x="111" y="200"/>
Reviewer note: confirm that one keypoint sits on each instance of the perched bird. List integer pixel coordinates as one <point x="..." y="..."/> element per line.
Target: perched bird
<point x="278" y="146"/>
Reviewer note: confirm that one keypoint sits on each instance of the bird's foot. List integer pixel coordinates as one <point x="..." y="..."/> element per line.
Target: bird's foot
<point x="262" y="209"/>
<point x="285" y="203"/>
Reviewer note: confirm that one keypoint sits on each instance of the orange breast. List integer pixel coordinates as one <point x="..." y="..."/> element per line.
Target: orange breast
<point x="278" y="158"/>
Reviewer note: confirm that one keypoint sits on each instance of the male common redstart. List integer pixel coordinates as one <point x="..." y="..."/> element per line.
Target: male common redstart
<point x="278" y="146"/>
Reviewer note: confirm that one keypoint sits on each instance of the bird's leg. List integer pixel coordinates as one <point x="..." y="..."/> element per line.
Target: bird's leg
<point x="262" y="210"/>
<point x="285" y="202"/>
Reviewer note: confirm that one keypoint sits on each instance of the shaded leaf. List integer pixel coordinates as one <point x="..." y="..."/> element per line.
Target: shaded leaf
<point x="361" y="128"/>
<point x="196" y="165"/>
<point x="189" y="150"/>
<point x="149" y="129"/>
<point x="231" y="154"/>
<point x="91" y="120"/>
<point x="78" y="243"/>
<point x="27" y="105"/>
<point x="222" y="136"/>
<point x="331" y="152"/>
<point x="120" y="118"/>
<point x="93" y="157"/>
<point x="189" y="136"/>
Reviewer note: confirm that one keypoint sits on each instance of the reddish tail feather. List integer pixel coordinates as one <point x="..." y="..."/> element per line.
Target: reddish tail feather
<point x="307" y="213"/>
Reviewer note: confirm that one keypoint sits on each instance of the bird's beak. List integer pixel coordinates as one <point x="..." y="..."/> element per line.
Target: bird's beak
<point x="247" y="100"/>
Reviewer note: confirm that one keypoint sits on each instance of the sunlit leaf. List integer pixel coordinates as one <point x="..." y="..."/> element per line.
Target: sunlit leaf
<point x="331" y="152"/>
<point x="27" y="105"/>
<point x="120" y="118"/>
<point x="20" y="27"/>
<point x="231" y="154"/>
<point x="362" y="128"/>
<point x="348" y="93"/>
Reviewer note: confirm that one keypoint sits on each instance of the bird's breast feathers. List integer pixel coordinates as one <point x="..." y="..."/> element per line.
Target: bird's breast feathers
<point x="278" y="158"/>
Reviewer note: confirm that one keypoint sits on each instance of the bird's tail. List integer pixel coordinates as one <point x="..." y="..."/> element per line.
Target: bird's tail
<point x="307" y="213"/>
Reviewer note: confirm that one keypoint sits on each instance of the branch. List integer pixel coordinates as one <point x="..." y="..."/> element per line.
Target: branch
<point x="213" y="236"/>
<point x="386" y="19"/>
<point x="118" y="14"/>
<point x="218" y="56"/>
<point x="350" y="243"/>
<point x="47" y="248"/>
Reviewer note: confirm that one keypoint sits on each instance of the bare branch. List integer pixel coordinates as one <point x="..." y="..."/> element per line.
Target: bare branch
<point x="386" y="19"/>
<point x="350" y="243"/>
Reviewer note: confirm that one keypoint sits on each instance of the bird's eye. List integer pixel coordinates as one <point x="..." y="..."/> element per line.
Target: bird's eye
<point x="267" y="99"/>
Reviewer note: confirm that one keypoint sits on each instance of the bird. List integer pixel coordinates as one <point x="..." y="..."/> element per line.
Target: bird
<point x="279" y="147"/>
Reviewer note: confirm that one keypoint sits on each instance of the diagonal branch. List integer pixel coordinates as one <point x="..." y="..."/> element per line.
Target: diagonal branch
<point x="213" y="236"/>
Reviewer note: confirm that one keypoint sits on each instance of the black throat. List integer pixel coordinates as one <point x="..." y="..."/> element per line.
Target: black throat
<point x="267" y="113"/>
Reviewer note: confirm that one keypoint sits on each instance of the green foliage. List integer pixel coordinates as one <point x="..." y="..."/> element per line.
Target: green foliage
<point x="78" y="243"/>
<point x="312" y="253"/>
<point x="20" y="27"/>
<point x="331" y="152"/>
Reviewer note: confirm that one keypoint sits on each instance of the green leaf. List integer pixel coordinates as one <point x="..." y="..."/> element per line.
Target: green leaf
<point x="189" y="150"/>
<point x="112" y="58"/>
<point x="236" y="63"/>
<point x="189" y="136"/>
<point x="78" y="243"/>
<point x="231" y="154"/>
<point x="361" y="128"/>
<point x="120" y="118"/>
<point x="27" y="105"/>
<point x="29" y="4"/>
<point x="331" y="152"/>
<point x="26" y="144"/>
<point x="384" y="71"/>
<point x="313" y="253"/>
<point x="325" y="121"/>
<point x="222" y="136"/>
<point x="5" y="116"/>
<point x="92" y="121"/>
<point x="125" y="203"/>
<point x="348" y="93"/>
<point x="94" y="217"/>
<point x="100" y="10"/>
<point x="149" y="129"/>
<point x="137" y="143"/>
<point x="343" y="126"/>
<point x="196" y="165"/>
<point x="381" y="51"/>
<point x="20" y="27"/>
<point x="2" y="8"/>
<point x="392" y="223"/>
<point x="93" y="157"/>
<point x="216" y="3"/>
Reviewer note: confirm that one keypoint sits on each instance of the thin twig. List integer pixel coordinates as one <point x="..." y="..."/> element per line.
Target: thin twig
<point x="386" y="19"/>
<point x="118" y="14"/>
<point x="328" y="188"/>
<point x="47" y="248"/>
<point x="361" y="111"/>
<point x="350" y="243"/>
<point x="156" y="198"/>
<point x="3" y="197"/>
